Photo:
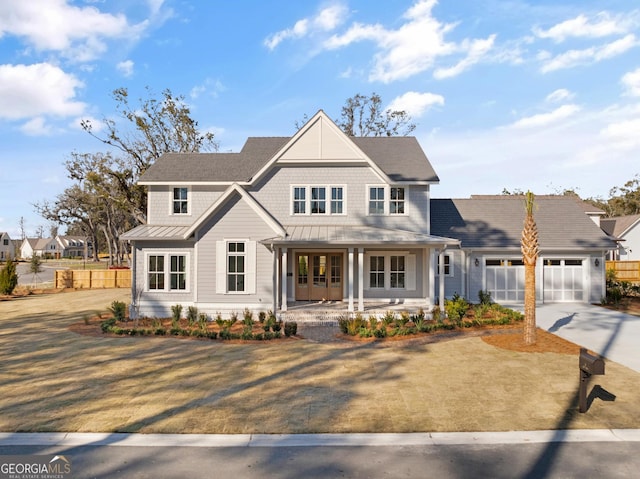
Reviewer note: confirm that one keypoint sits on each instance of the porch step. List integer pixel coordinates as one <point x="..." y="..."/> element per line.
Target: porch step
<point x="316" y="318"/>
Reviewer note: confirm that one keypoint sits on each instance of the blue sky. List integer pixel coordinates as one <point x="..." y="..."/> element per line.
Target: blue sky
<point x="539" y="95"/>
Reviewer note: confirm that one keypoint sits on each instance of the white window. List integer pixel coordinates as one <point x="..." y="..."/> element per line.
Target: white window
<point x="386" y="200"/>
<point x="299" y="200"/>
<point x="235" y="266"/>
<point x="180" y="201"/>
<point x="376" y="271"/>
<point x="396" y="202"/>
<point x="388" y="270"/>
<point x="376" y="200"/>
<point x="447" y="265"/>
<point x="159" y="265"/>
<point x="318" y="200"/>
<point x="397" y="272"/>
<point x="337" y="200"/>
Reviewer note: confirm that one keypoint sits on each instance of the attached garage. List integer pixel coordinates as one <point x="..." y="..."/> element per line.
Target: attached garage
<point x="563" y="280"/>
<point x="505" y="279"/>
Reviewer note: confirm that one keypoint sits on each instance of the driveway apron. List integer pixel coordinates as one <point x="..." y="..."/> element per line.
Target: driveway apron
<point x="611" y="334"/>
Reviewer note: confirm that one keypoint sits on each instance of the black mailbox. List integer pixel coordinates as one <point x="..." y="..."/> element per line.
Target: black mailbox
<point x="591" y="364"/>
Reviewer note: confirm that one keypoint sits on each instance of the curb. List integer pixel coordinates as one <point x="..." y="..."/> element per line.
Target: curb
<point x="317" y="440"/>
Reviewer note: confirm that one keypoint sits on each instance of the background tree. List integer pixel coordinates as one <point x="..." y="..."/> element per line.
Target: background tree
<point x="530" y="249"/>
<point x="152" y="128"/>
<point x="8" y="277"/>
<point x="364" y="116"/>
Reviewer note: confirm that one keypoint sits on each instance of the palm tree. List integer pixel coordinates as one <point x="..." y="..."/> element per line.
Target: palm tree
<point x="529" y="246"/>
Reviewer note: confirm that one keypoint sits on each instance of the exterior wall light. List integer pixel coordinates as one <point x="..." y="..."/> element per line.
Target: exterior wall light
<point x="477" y="262"/>
<point x="597" y="262"/>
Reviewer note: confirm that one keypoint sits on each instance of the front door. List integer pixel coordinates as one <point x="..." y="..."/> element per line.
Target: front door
<point x="318" y="277"/>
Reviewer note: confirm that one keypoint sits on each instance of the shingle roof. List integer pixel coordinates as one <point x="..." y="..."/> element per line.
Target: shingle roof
<point x="618" y="225"/>
<point x="497" y="221"/>
<point x="401" y="158"/>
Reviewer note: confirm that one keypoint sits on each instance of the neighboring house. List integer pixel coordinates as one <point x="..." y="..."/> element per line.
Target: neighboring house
<point x="39" y="246"/>
<point x="6" y="246"/>
<point x="626" y="231"/>
<point x="320" y="217"/>
<point x="72" y="246"/>
<point x="571" y="264"/>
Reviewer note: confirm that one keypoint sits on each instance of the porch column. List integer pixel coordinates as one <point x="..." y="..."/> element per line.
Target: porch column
<point x="441" y="278"/>
<point x="360" y="279"/>
<point x="432" y="278"/>
<point x="350" y="287"/>
<point x="283" y="280"/>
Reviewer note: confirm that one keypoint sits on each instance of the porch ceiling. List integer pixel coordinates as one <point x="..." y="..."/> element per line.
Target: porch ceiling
<point x="355" y="235"/>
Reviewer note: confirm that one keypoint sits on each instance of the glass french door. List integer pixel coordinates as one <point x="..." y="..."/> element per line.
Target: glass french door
<point x="318" y="277"/>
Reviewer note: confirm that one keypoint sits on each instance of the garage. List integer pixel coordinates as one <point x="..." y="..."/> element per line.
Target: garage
<point x="563" y="280"/>
<point x="505" y="279"/>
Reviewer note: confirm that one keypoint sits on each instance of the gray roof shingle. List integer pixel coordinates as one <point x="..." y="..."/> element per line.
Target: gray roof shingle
<point x="618" y="225"/>
<point x="401" y="158"/>
<point x="497" y="221"/>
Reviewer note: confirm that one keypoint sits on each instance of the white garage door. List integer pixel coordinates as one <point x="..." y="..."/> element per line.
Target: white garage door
<point x="563" y="280"/>
<point x="505" y="279"/>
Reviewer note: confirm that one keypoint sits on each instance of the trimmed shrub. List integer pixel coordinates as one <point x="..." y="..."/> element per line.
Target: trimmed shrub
<point x="118" y="309"/>
<point x="8" y="277"/>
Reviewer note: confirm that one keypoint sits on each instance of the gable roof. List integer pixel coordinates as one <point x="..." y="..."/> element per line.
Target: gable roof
<point x="400" y="159"/>
<point x="497" y="222"/>
<point x="618" y="226"/>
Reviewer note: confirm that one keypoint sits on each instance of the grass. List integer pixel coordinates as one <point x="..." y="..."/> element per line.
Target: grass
<point x="56" y="380"/>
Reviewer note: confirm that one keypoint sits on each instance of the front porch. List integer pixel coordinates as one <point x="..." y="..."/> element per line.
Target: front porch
<point x="328" y="312"/>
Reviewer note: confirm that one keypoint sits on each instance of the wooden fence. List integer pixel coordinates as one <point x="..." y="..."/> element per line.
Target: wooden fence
<point x="92" y="278"/>
<point x="625" y="270"/>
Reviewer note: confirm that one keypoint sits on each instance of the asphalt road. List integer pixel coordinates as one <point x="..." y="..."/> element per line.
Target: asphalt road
<point x="538" y="460"/>
<point x="45" y="276"/>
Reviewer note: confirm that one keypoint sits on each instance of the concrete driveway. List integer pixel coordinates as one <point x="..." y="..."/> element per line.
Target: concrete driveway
<point x="611" y="334"/>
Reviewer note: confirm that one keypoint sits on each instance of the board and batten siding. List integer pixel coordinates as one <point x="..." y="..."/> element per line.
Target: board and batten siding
<point x="235" y="220"/>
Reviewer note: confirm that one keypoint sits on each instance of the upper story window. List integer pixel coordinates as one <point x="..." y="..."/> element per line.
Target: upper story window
<point x="387" y="200"/>
<point x="299" y="200"/>
<point x="180" y="201"/>
<point x="396" y="202"/>
<point x="5" y="242"/>
<point x="318" y="200"/>
<point x="337" y="200"/>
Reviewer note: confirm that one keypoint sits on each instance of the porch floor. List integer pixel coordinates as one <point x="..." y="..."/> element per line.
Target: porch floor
<point x="328" y="312"/>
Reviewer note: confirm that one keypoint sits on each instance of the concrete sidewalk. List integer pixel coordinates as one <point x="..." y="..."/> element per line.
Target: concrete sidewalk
<point x="314" y="440"/>
<point x="611" y="334"/>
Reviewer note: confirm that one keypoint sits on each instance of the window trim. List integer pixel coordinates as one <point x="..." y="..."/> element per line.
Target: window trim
<point x="250" y="266"/>
<point x="228" y="273"/>
<point x="308" y="201"/>
<point x="410" y="271"/>
<point x="387" y="199"/>
<point x="448" y="265"/>
<point x="172" y="200"/>
<point x="167" y="271"/>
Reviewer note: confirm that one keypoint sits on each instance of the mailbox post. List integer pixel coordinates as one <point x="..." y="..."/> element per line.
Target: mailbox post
<point x="589" y="365"/>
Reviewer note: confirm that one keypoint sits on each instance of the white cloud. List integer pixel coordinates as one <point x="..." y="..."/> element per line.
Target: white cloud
<point x="545" y="119"/>
<point x="631" y="81"/>
<point x="125" y="67"/>
<point x="587" y="56"/>
<point x="416" y="104"/>
<point x="476" y="51"/>
<point x="210" y="87"/>
<point x="601" y="25"/>
<point x="78" y="33"/>
<point x="624" y="134"/>
<point x="36" y="127"/>
<point x="578" y="153"/>
<point x="325" y="20"/>
<point x="39" y="89"/>
<point x="559" y="95"/>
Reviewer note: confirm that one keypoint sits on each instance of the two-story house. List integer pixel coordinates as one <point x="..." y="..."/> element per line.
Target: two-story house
<point x="7" y="249"/>
<point x="319" y="217"/>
